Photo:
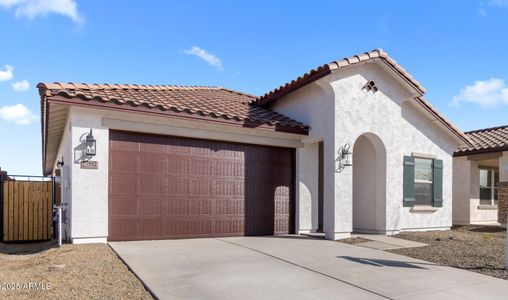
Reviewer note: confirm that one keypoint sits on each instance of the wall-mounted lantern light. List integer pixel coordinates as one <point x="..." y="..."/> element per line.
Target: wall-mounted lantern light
<point x="90" y="144"/>
<point x="345" y="155"/>
<point x="60" y="163"/>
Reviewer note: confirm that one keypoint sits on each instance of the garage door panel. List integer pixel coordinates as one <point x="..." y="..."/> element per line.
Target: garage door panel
<point x="125" y="142"/>
<point x="229" y="226"/>
<point x="188" y="206"/>
<point x="150" y="184"/>
<point x="150" y="207"/>
<point x="227" y="169"/>
<point x="201" y="167"/>
<point x="181" y="228"/>
<point x="172" y="187"/>
<point x="235" y="153"/>
<point x="123" y="229"/>
<point x="174" y="147"/>
<point x="123" y="206"/>
<point x="178" y="186"/>
<point x="123" y="184"/>
<point x="228" y="188"/>
<point x="151" y="228"/>
<point x="152" y="144"/>
<point x="152" y="163"/>
<point x="178" y="165"/>
<point x="123" y="162"/>
<point x="281" y="225"/>
<point x="230" y="206"/>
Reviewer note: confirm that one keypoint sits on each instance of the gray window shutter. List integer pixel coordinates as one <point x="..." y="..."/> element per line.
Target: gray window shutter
<point x="409" y="181"/>
<point x="437" y="187"/>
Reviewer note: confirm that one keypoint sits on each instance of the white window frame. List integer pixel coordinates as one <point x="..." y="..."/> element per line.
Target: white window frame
<point x="493" y="186"/>
<point x="431" y="182"/>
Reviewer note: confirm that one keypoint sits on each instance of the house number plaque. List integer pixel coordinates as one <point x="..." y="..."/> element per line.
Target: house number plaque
<point x="91" y="164"/>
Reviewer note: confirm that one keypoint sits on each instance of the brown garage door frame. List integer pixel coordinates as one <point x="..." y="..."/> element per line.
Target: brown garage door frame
<point x="292" y="184"/>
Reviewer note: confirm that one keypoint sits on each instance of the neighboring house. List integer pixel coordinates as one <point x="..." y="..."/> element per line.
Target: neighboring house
<point x="481" y="178"/>
<point x="176" y="162"/>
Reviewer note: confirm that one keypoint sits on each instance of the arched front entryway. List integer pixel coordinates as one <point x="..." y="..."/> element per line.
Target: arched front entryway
<point x="369" y="184"/>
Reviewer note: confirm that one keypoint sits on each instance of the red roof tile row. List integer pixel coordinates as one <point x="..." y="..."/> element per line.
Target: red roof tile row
<point x="215" y="102"/>
<point x="486" y="140"/>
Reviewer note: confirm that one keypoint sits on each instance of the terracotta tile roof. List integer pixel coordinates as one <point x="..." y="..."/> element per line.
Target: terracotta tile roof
<point x="486" y="140"/>
<point x="199" y="101"/>
<point x="376" y="54"/>
<point x="322" y="71"/>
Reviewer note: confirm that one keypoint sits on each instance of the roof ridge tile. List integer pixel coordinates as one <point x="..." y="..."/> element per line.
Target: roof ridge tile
<point x="97" y="86"/>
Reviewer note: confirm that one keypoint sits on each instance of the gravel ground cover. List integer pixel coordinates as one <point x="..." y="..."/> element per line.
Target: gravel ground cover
<point x="91" y="271"/>
<point x="474" y="248"/>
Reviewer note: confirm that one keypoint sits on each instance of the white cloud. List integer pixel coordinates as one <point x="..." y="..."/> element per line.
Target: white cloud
<point x="486" y="93"/>
<point x="498" y="3"/>
<point x="7" y="74"/>
<point x="17" y="113"/>
<point x="209" y="58"/>
<point x="491" y="4"/>
<point x="35" y="8"/>
<point x="20" y="86"/>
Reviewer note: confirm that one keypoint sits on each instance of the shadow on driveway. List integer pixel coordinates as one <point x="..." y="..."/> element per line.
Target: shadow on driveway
<point x="383" y="262"/>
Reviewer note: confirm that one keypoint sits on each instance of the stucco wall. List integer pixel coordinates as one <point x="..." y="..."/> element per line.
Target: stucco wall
<point x="503" y="167"/>
<point x="403" y="129"/>
<point x="462" y="190"/>
<point x="65" y="155"/>
<point x="466" y="193"/>
<point x="388" y="114"/>
<point x="89" y="187"/>
<point x="306" y="187"/>
<point x="311" y="106"/>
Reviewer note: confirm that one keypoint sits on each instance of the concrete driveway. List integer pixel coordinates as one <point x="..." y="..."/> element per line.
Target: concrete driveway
<point x="293" y="267"/>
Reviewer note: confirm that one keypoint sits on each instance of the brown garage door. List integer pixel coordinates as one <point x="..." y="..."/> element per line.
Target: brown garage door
<point x="163" y="187"/>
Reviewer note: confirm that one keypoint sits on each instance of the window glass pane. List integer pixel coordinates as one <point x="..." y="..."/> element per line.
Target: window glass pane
<point x="485" y="178"/>
<point x="485" y="193"/>
<point x="496" y="201"/>
<point x="423" y="170"/>
<point x="423" y="193"/>
<point x="485" y="196"/>
<point x="496" y="178"/>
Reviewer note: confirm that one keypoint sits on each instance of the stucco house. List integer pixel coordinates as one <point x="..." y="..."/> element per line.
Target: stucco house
<point x="480" y="180"/>
<point x="349" y="146"/>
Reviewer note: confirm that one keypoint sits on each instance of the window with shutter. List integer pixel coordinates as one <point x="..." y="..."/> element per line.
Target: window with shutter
<point x="423" y="181"/>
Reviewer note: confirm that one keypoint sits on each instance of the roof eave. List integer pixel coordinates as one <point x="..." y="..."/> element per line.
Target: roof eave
<point x="457" y="133"/>
<point x="294" y="85"/>
<point x="480" y="151"/>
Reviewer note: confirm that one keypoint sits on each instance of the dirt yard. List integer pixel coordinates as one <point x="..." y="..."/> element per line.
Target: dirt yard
<point x="71" y="272"/>
<point x="474" y="248"/>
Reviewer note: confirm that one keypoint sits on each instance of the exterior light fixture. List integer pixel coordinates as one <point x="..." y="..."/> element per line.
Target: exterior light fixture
<point x="60" y="163"/>
<point x="345" y="155"/>
<point x="90" y="144"/>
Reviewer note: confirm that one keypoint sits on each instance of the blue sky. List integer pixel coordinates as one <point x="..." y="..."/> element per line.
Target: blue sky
<point x="456" y="49"/>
